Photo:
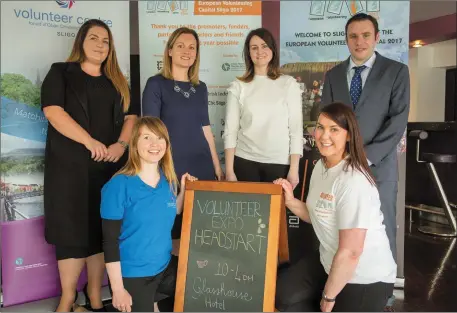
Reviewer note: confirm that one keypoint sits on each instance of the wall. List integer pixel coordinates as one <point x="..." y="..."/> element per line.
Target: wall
<point x="428" y="66"/>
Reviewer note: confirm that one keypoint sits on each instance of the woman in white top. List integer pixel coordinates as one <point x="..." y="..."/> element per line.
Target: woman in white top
<point x="263" y="134"/>
<point x="355" y="270"/>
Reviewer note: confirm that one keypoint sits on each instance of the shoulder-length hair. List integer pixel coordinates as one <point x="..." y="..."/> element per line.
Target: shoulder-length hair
<point x="110" y="66"/>
<point x="273" y="67"/>
<point x="133" y="165"/>
<point x="167" y="62"/>
<point x="345" y="118"/>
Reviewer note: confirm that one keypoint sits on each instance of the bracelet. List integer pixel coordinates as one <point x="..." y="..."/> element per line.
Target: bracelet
<point x="123" y="144"/>
<point x="325" y="298"/>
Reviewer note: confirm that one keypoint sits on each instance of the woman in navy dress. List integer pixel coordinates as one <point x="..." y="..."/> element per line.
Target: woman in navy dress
<point x="180" y="100"/>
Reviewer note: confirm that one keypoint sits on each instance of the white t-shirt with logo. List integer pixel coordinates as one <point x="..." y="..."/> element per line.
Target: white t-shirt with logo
<point x="341" y="198"/>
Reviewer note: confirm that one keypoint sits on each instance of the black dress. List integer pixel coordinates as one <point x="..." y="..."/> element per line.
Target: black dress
<point x="73" y="181"/>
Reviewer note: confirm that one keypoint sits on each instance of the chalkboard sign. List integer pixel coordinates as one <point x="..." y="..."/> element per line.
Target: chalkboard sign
<point x="230" y="238"/>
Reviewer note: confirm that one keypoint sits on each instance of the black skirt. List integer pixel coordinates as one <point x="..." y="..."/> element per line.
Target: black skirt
<point x="63" y="252"/>
<point x="99" y="175"/>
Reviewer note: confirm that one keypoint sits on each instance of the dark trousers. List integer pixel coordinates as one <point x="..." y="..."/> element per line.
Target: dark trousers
<point x="246" y="170"/>
<point x="147" y="290"/>
<point x="388" y="196"/>
<point x="299" y="289"/>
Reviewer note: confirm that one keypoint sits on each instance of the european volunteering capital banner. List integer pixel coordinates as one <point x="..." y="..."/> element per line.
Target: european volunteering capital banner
<point x="47" y="31"/>
<point x="222" y="27"/>
<point x="313" y="41"/>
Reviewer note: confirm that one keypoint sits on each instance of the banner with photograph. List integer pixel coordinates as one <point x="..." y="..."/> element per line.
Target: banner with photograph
<point x="222" y="27"/>
<point x="35" y="34"/>
<point x="313" y="41"/>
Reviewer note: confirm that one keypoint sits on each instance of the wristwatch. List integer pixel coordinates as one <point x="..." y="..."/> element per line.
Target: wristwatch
<point x="327" y="299"/>
<point x="123" y="144"/>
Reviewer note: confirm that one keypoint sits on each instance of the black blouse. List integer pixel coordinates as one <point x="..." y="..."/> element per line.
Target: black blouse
<point x="101" y="96"/>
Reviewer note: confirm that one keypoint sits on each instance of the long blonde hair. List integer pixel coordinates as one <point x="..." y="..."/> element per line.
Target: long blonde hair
<point x="133" y="165"/>
<point x="110" y="67"/>
<point x="167" y="62"/>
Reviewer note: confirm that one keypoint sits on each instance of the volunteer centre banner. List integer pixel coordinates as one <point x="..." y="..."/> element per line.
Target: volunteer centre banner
<point x="35" y="34"/>
<point x="313" y="41"/>
<point x="222" y="27"/>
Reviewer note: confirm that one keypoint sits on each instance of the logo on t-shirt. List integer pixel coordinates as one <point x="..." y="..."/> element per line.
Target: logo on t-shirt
<point x="324" y="205"/>
<point x="326" y="196"/>
<point x="172" y="201"/>
<point x="171" y="205"/>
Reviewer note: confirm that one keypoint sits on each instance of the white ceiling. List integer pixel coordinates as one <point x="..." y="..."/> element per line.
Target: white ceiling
<point x="425" y="10"/>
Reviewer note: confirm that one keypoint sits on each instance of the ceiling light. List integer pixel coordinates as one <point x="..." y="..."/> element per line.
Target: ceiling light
<point x="417" y="44"/>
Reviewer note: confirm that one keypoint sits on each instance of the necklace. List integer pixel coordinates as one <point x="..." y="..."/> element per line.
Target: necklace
<point x="185" y="93"/>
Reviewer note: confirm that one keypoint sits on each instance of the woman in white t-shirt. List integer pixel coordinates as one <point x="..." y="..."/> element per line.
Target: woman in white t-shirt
<point x="355" y="270"/>
<point x="263" y="135"/>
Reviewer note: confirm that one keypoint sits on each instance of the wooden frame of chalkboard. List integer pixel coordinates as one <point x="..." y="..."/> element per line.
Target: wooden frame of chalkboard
<point x="198" y="255"/>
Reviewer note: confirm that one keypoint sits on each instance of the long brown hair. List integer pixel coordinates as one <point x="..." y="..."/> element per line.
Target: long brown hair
<point x="273" y="67"/>
<point x="345" y="118"/>
<point x="167" y="62"/>
<point x="110" y="66"/>
<point x="133" y="165"/>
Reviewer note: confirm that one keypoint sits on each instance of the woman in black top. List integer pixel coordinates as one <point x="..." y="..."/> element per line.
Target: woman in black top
<point x="87" y="103"/>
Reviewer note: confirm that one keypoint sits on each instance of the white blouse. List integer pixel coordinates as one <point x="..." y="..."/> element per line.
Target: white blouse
<point x="264" y="119"/>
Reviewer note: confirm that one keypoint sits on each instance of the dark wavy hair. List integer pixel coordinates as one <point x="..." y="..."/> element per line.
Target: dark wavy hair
<point x="345" y="118"/>
<point x="273" y="66"/>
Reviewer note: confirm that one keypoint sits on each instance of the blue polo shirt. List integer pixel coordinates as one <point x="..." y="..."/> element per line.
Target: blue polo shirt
<point x="147" y="216"/>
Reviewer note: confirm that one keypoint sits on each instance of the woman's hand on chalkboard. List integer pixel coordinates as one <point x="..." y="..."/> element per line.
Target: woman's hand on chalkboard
<point x="287" y="187"/>
<point x="231" y="176"/>
<point x="220" y="174"/>
<point x="122" y="300"/>
<point x="180" y="198"/>
<point x="185" y="177"/>
<point x="327" y="306"/>
<point x="293" y="178"/>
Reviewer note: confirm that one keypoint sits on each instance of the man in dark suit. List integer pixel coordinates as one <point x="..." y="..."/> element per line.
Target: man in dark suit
<point x="378" y="90"/>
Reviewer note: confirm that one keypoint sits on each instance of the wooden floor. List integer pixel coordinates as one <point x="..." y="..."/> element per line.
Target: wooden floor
<point x="430" y="273"/>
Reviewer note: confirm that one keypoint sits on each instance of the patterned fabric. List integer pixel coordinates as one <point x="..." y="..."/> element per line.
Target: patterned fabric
<point x="356" y="84"/>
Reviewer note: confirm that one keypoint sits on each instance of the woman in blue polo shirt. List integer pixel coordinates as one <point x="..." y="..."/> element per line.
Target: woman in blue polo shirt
<point x="138" y="209"/>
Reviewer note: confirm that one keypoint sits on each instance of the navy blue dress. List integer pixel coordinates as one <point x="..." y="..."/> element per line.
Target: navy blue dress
<point x="184" y="118"/>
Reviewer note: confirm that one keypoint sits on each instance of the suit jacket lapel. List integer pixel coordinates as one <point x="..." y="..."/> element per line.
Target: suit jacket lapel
<point x="77" y="83"/>
<point x="343" y="78"/>
<point x="373" y="77"/>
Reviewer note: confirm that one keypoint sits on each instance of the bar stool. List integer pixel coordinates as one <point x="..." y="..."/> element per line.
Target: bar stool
<point x="429" y="159"/>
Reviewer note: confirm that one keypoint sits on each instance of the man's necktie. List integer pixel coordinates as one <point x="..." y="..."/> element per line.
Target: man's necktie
<point x="356" y="84"/>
